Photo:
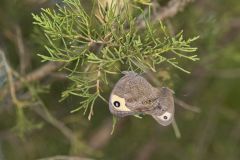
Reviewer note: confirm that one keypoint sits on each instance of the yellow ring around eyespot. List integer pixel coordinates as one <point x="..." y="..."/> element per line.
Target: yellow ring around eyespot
<point x="121" y="101"/>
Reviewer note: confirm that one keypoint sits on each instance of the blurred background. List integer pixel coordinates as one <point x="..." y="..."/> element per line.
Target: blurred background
<point x="48" y="129"/>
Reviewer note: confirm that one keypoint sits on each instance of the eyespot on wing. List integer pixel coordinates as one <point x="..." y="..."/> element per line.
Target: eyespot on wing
<point x="119" y="103"/>
<point x="164" y="119"/>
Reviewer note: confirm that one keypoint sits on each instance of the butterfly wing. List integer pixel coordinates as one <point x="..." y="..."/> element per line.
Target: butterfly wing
<point x="165" y="114"/>
<point x="133" y="93"/>
<point x="117" y="100"/>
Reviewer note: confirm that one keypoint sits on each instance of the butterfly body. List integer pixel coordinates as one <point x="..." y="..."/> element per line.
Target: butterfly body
<point x="133" y="95"/>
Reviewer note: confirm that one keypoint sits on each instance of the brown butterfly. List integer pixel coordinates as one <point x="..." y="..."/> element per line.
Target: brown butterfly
<point x="134" y="95"/>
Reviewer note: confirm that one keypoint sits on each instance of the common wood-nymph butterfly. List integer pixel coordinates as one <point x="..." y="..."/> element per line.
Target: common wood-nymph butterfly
<point x="134" y="95"/>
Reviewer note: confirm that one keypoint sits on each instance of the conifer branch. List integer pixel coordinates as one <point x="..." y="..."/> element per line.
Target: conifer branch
<point x="92" y="54"/>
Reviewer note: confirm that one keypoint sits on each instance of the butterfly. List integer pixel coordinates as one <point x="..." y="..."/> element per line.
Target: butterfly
<point x="133" y="95"/>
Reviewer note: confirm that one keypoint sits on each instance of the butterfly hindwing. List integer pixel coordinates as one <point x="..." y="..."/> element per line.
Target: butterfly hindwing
<point x="167" y="102"/>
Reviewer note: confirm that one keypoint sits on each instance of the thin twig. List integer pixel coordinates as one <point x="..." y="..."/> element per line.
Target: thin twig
<point x="176" y="129"/>
<point x="168" y="11"/>
<point x="39" y="3"/>
<point x="43" y="71"/>
<point x="42" y="112"/>
<point x="10" y="80"/>
<point x="65" y="158"/>
<point x="98" y="80"/>
<point x="23" y="55"/>
<point x="172" y="8"/>
<point x="186" y="106"/>
<point x="38" y="74"/>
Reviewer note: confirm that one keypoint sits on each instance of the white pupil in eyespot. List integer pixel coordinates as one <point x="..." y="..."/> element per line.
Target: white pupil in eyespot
<point x="166" y="116"/>
<point x="116" y="104"/>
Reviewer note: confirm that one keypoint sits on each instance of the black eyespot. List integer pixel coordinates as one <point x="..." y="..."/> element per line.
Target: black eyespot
<point x="165" y="117"/>
<point x="116" y="104"/>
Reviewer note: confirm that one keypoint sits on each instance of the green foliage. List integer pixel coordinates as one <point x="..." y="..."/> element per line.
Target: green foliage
<point x="95" y="47"/>
<point x="23" y="124"/>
